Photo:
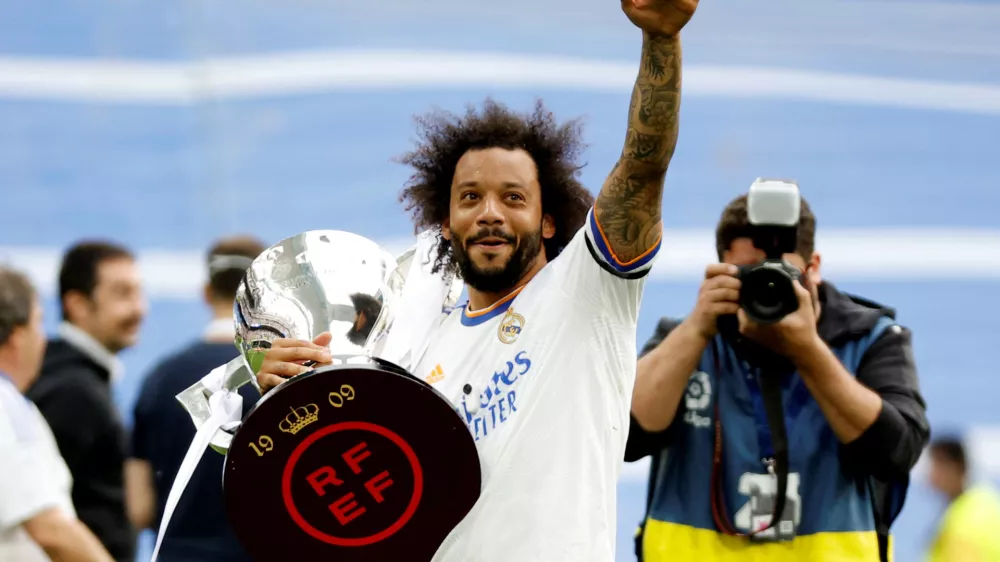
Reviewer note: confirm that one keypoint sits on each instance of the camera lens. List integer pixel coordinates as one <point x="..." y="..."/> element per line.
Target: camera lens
<point x="768" y="294"/>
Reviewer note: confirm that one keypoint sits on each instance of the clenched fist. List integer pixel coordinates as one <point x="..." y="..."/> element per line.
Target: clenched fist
<point x="665" y="17"/>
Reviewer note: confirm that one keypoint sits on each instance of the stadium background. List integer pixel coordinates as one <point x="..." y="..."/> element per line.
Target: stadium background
<point x="167" y="124"/>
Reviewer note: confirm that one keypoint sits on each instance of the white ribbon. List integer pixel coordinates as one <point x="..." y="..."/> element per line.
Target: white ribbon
<point x="225" y="407"/>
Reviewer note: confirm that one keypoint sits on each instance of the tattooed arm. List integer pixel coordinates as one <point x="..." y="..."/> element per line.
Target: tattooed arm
<point x="629" y="205"/>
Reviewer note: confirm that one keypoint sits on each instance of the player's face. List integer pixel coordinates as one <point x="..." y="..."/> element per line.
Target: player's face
<point x="496" y="225"/>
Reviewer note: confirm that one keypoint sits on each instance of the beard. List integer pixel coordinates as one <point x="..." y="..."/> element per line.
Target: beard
<point x="501" y="277"/>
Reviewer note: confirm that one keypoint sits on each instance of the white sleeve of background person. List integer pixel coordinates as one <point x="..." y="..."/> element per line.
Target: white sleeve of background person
<point x="33" y="477"/>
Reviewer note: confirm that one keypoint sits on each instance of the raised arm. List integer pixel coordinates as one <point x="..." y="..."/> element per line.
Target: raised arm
<point x="628" y="208"/>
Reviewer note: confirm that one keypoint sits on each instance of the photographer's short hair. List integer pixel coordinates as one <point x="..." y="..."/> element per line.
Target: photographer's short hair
<point x="17" y="296"/>
<point x="80" y="264"/>
<point x="735" y="223"/>
<point x="227" y="261"/>
<point x="950" y="450"/>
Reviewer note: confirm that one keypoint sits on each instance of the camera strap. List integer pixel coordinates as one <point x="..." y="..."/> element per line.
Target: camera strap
<point x="769" y="414"/>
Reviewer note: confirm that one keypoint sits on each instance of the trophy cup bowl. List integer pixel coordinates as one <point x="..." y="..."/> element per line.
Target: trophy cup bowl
<point x="357" y="460"/>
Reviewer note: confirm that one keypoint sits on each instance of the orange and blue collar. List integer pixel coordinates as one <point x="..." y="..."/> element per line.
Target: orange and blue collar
<point x="476" y="318"/>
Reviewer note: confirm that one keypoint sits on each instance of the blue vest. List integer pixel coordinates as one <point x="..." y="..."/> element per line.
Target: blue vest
<point x="830" y="501"/>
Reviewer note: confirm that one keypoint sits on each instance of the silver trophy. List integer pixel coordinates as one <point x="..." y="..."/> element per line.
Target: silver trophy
<point x="323" y="281"/>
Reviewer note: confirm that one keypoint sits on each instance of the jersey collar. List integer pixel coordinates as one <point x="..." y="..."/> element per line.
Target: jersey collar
<point x="475" y="318"/>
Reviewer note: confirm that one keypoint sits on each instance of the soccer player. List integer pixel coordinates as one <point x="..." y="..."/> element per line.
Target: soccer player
<point x="541" y="361"/>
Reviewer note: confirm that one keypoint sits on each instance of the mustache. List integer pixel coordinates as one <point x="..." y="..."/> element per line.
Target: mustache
<point x="485" y="233"/>
<point x="131" y="322"/>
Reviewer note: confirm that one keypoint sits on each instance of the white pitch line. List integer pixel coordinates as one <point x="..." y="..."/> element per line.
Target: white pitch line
<point x="311" y="72"/>
<point x="882" y="255"/>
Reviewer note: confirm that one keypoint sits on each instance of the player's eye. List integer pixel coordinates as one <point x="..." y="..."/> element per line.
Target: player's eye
<point x="468" y="195"/>
<point x="515" y="197"/>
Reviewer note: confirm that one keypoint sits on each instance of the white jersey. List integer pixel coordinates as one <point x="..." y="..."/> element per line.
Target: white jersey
<point x="33" y="475"/>
<point x="544" y="381"/>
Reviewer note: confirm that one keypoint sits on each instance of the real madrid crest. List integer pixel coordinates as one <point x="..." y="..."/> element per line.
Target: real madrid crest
<point x="510" y="327"/>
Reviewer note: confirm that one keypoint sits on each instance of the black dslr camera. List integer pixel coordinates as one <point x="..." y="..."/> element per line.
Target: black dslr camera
<point x="768" y="291"/>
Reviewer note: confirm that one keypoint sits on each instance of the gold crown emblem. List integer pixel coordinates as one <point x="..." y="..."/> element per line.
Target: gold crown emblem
<point x="299" y="418"/>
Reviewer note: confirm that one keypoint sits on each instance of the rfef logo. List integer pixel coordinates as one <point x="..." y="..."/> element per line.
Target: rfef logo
<point x="362" y="495"/>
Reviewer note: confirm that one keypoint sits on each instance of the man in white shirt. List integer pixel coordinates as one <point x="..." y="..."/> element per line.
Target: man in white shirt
<point x="37" y="519"/>
<point x="541" y="361"/>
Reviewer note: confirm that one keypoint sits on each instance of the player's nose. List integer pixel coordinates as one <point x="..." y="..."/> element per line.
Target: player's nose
<point x="490" y="212"/>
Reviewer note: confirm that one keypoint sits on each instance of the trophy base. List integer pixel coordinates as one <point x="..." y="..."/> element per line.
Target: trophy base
<point x="350" y="462"/>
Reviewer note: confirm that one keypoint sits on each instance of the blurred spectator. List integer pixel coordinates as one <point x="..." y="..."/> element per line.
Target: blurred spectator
<point x="199" y="528"/>
<point x="970" y="527"/>
<point x="37" y="519"/>
<point x="103" y="307"/>
<point x="830" y="392"/>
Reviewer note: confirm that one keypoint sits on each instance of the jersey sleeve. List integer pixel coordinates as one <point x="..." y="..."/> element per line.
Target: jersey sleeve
<point x="589" y="269"/>
<point x="23" y="493"/>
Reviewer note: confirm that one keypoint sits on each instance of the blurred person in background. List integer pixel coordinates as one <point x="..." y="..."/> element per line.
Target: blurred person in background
<point x="163" y="431"/>
<point x="37" y="519"/>
<point x="103" y="306"/>
<point x="969" y="530"/>
<point x="853" y="417"/>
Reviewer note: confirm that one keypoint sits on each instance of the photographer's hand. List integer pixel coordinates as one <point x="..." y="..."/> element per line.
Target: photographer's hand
<point x="719" y="295"/>
<point x="794" y="335"/>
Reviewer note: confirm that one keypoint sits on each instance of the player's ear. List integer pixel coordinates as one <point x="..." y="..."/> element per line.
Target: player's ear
<point x="446" y="229"/>
<point x="548" y="227"/>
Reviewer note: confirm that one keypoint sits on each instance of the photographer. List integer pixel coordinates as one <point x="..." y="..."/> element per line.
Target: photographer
<point x="775" y="382"/>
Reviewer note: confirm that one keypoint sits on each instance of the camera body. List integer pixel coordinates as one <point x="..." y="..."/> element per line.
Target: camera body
<point x="768" y="291"/>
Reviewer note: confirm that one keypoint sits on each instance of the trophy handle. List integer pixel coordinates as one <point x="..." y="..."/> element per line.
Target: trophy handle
<point x="196" y="399"/>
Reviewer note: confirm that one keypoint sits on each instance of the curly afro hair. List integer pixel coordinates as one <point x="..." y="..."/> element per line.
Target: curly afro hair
<point x="446" y="137"/>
